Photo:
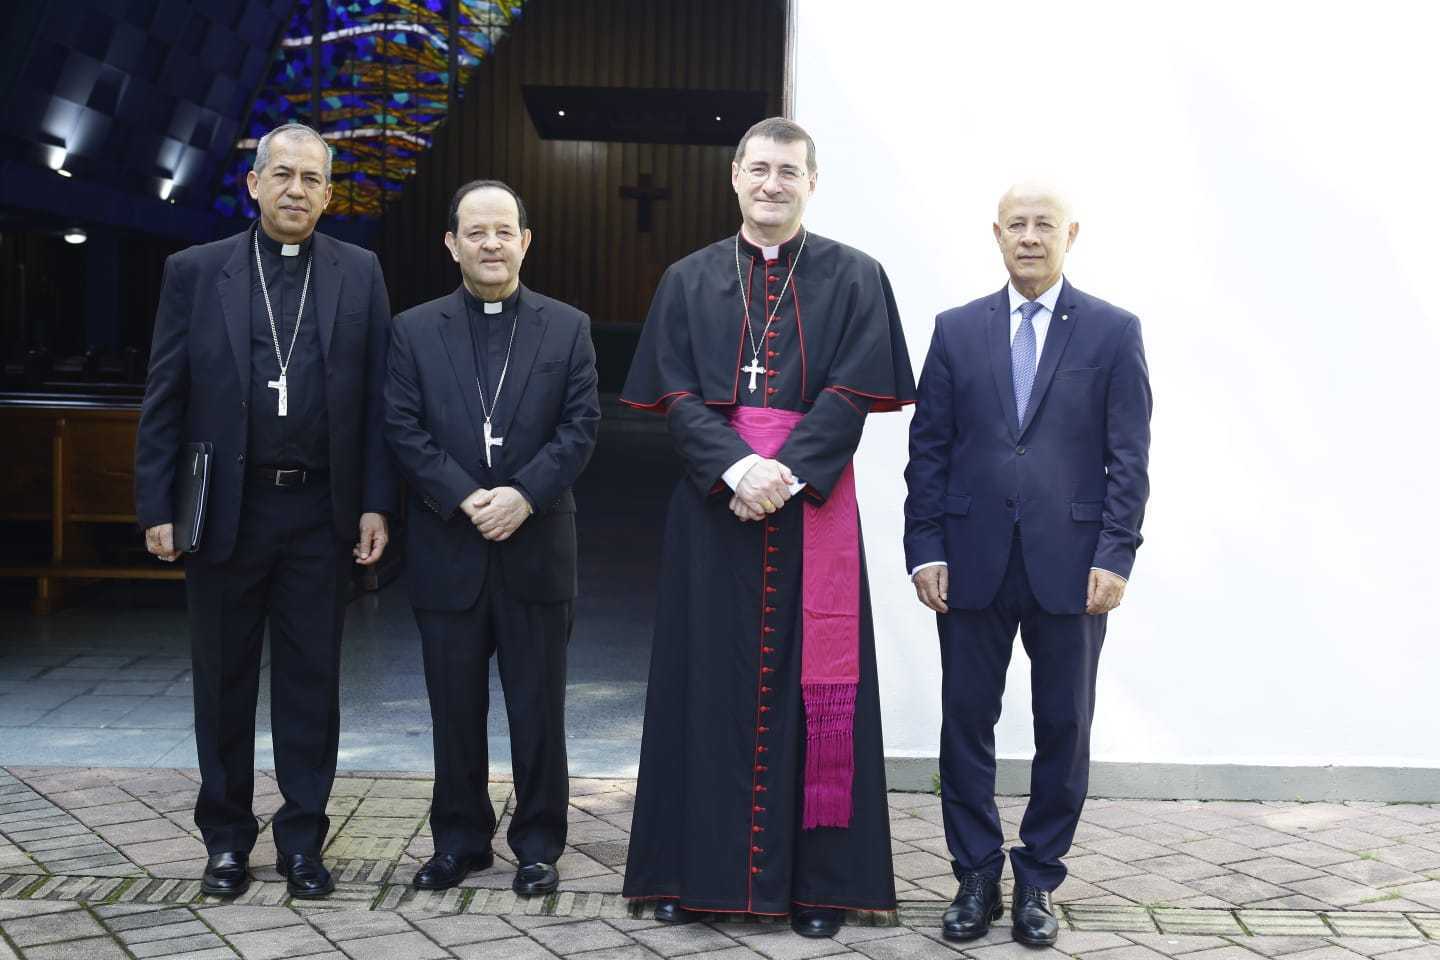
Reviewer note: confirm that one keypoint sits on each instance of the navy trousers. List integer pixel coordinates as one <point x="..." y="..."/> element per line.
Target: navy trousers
<point x="1064" y="653"/>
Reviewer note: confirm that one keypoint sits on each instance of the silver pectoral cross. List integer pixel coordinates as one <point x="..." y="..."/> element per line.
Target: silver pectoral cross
<point x="754" y="370"/>
<point x="491" y="441"/>
<point x="279" y="387"/>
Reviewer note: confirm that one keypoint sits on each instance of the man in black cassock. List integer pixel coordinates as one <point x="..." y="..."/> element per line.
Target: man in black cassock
<point x="762" y="782"/>
<point x="271" y="346"/>
<point x="492" y="413"/>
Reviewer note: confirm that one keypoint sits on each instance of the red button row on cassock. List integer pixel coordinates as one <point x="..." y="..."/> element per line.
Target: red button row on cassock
<point x="765" y="670"/>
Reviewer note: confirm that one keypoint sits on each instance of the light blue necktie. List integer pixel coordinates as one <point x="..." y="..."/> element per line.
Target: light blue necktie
<point x="1022" y="357"/>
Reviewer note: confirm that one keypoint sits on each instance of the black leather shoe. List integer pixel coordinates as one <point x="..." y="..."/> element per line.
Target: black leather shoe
<point x="536" y="879"/>
<point x="816" y="921"/>
<point x="305" y="876"/>
<point x="226" y="874"/>
<point x="446" y="870"/>
<point x="1034" y="918"/>
<point x="670" y="911"/>
<point x="975" y="907"/>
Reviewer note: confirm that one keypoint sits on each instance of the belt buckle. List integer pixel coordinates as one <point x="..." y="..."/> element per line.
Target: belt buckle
<point x="282" y="477"/>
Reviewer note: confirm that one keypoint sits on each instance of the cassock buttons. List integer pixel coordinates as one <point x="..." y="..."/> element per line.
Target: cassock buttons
<point x="764" y="709"/>
<point x="771" y="609"/>
<point x="772" y="334"/>
<point x="766" y="650"/>
<point x="772" y="391"/>
<point x="1020" y="451"/>
<point x="771" y="353"/>
<point x="772" y="373"/>
<point x="771" y="278"/>
<point x="769" y="629"/>
<point x="771" y="297"/>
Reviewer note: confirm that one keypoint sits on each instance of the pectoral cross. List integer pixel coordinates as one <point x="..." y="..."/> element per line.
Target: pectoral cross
<point x="279" y="387"/>
<point x="491" y="441"/>
<point x="754" y="370"/>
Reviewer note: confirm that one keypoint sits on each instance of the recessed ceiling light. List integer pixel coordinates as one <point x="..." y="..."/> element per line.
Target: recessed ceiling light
<point x="64" y="173"/>
<point x="717" y="118"/>
<point x="75" y="235"/>
<point x="560" y="112"/>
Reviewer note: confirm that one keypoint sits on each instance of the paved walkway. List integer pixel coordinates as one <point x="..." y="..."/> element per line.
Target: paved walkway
<point x="100" y="863"/>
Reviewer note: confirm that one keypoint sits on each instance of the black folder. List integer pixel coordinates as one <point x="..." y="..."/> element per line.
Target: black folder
<point x="192" y="491"/>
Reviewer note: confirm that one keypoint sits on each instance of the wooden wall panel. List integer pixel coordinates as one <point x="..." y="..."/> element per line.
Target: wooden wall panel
<point x="587" y="249"/>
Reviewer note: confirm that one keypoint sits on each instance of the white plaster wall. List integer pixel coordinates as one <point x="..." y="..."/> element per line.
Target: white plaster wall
<point x="1258" y="182"/>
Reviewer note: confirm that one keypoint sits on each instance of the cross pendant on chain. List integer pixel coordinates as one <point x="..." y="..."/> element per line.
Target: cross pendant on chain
<point x="491" y="441"/>
<point x="280" y="387"/>
<point x="755" y="370"/>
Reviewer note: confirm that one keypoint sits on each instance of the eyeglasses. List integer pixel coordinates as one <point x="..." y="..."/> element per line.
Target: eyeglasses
<point x="759" y="173"/>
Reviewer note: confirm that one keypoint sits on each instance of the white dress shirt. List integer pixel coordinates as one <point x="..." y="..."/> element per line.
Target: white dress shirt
<point x="1041" y="322"/>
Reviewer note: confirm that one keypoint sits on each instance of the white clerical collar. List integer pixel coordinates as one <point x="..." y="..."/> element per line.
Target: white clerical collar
<point x="1048" y="299"/>
<point x="495" y="307"/>
<point x="289" y="249"/>
<point x="771" y="253"/>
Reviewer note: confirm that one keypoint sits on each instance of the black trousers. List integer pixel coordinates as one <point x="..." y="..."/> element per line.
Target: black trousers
<point x="289" y="571"/>
<point x="530" y="640"/>
<point x="1064" y="651"/>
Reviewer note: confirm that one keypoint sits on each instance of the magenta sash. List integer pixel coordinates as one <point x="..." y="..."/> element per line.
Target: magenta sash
<point x="830" y="607"/>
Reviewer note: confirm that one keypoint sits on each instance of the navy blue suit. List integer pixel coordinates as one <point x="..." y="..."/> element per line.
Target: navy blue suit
<point x="1020" y="512"/>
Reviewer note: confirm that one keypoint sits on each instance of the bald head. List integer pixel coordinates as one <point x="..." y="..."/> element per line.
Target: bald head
<point x="1034" y="230"/>
<point x="1033" y="193"/>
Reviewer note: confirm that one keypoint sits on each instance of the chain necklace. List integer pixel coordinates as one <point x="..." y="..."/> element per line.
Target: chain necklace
<point x="282" y="386"/>
<point x="489" y="409"/>
<point x="755" y="368"/>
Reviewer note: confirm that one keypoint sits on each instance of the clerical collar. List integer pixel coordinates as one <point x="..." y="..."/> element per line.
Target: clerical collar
<point x="277" y="249"/>
<point x="782" y="252"/>
<point x="490" y="307"/>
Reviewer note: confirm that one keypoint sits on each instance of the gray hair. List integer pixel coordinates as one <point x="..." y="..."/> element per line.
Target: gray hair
<point x="262" y="149"/>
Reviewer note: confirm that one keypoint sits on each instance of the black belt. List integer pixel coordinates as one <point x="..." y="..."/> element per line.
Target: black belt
<point x="287" y="476"/>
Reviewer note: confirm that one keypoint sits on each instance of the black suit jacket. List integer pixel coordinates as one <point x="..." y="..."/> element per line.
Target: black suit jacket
<point x="548" y="414"/>
<point x="199" y="383"/>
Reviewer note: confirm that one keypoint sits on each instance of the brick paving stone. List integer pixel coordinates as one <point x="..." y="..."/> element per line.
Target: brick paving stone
<point x="1427" y="893"/>
<point x="1180" y="867"/>
<point x="49" y="927"/>
<point x="1293" y="902"/>
<point x="227" y="920"/>
<point x="579" y="936"/>
<point x="143" y="918"/>
<point x="1096" y="867"/>
<point x="671" y="941"/>
<point x="1373" y="873"/>
<point x="1010" y="950"/>
<point x="1348" y="838"/>
<point x="1335" y="890"/>
<point x="1283" y="923"/>
<point x="453" y="930"/>
<point x="1392" y="828"/>
<point x="126" y="811"/>
<point x="293" y="941"/>
<point x="1282" y="946"/>
<point x="11" y="910"/>
<point x="1190" y="921"/>
<point x="1127" y="849"/>
<point x="1239" y="889"/>
<point x="1328" y="952"/>
<point x="1371" y="924"/>
<point x="1275" y="869"/>
<point x="1311" y="854"/>
<point x="1429" y="923"/>
<point x="1115" y="918"/>
<point x="1217" y="851"/>
<point x="179" y="946"/>
<point x="910" y="946"/>
<point x="781" y="943"/>
<point x="411" y="945"/>
<point x="1427" y="951"/>
<point x="341" y="925"/>
<point x="520" y="948"/>
<point x="1375" y="946"/>
<point x="94" y="948"/>
<point x="1149" y="889"/>
<point x="1256" y="836"/>
<point x="1228" y="952"/>
<point x="1175" y="945"/>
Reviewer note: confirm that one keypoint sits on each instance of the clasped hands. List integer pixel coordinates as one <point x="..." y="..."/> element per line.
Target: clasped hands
<point x="1103" y="594"/>
<point x="764" y="489"/>
<point x="496" y="513"/>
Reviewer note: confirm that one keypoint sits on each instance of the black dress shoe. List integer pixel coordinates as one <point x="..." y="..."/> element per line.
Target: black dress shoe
<point x="816" y="921"/>
<point x="305" y="876"/>
<point x="1034" y="918"/>
<point x="536" y="879"/>
<point x="975" y="907"/>
<point x="446" y="870"/>
<point x="226" y="874"/>
<point x="670" y="911"/>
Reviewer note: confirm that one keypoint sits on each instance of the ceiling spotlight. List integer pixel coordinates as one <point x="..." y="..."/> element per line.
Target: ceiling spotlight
<point x="560" y="112"/>
<point x="166" y="186"/>
<point x="75" y="236"/>
<point x="64" y="173"/>
<point x="717" y="118"/>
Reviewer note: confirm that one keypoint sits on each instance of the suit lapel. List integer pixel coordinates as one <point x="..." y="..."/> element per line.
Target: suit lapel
<point x="1062" y="324"/>
<point x="998" y="339"/>
<point x="455" y="331"/>
<point x="325" y="282"/>
<point x="234" y="290"/>
<point x="529" y="331"/>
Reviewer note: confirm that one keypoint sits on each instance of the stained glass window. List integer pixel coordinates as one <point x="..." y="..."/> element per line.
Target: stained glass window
<point x="384" y="82"/>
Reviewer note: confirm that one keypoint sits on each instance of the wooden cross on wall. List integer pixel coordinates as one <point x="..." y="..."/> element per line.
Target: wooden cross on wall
<point x="645" y="195"/>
